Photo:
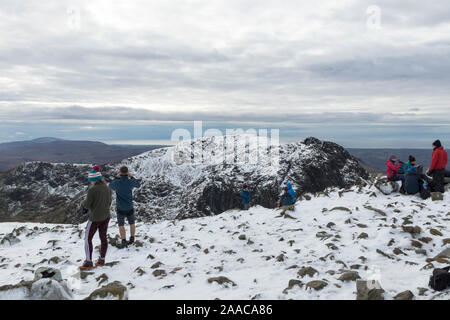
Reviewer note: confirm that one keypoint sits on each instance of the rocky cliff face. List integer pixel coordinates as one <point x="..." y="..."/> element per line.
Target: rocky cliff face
<point x="195" y="178"/>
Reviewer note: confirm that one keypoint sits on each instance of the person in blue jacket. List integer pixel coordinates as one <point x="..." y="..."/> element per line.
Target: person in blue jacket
<point x="246" y="197"/>
<point x="123" y="185"/>
<point x="291" y="192"/>
<point x="286" y="198"/>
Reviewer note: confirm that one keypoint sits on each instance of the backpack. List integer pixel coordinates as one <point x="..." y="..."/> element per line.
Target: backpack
<point x="440" y="280"/>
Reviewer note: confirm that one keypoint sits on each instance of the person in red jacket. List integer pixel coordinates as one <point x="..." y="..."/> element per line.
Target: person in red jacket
<point x="437" y="167"/>
<point x="392" y="170"/>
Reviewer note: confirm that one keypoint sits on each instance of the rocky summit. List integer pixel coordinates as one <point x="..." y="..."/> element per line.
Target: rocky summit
<point x="192" y="179"/>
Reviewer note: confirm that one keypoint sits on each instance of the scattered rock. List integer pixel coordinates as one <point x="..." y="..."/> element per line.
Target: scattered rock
<point x="416" y="244"/>
<point x="363" y="235"/>
<point x="437" y="196"/>
<point x="369" y="290"/>
<point x="222" y="281"/>
<point x="412" y="230"/>
<point x="114" y="290"/>
<point x="316" y="285"/>
<point x="292" y="283"/>
<point x="159" y="273"/>
<point x="435" y="232"/>
<point x="242" y="237"/>
<point x="405" y="295"/>
<point x="307" y="271"/>
<point x="349" y="276"/>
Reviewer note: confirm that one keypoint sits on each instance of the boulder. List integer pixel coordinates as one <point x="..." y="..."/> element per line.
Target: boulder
<point x="386" y="187"/>
<point x="49" y="289"/>
<point x="111" y="291"/>
<point x="307" y="271"/>
<point x="222" y="281"/>
<point x="42" y="289"/>
<point x="369" y="290"/>
<point x="405" y="295"/>
<point x="437" y="196"/>
<point x="51" y="273"/>
<point x="349" y="276"/>
<point x="316" y="285"/>
<point x="292" y="283"/>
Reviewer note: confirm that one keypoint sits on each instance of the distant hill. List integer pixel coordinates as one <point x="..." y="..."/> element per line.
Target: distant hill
<point x="46" y="149"/>
<point x="376" y="158"/>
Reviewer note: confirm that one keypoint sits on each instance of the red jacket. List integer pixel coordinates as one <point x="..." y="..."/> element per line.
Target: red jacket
<point x="439" y="160"/>
<point x="392" y="169"/>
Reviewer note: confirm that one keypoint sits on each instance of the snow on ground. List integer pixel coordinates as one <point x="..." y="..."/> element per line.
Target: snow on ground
<point x="256" y="266"/>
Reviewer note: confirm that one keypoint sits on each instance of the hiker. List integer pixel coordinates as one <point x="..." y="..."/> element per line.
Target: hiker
<point x="246" y="196"/>
<point x="412" y="163"/>
<point x="286" y="199"/>
<point x="414" y="181"/>
<point x="98" y="202"/>
<point x="123" y="186"/>
<point x="393" y="171"/>
<point x="291" y="192"/>
<point x="437" y="167"/>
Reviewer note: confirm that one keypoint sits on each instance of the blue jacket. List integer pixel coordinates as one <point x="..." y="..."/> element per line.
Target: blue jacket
<point x="246" y="196"/>
<point x="412" y="182"/>
<point x="123" y="187"/>
<point x="286" y="199"/>
<point x="291" y="192"/>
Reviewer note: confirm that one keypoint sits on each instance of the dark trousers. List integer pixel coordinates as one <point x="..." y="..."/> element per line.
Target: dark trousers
<point x="91" y="229"/>
<point x="399" y="177"/>
<point x="437" y="185"/>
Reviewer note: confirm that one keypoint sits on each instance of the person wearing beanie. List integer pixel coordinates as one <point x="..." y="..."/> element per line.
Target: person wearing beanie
<point x="393" y="166"/>
<point x="437" y="167"/>
<point x="96" y="168"/>
<point x="97" y="203"/>
<point x="123" y="185"/>
<point x="246" y="197"/>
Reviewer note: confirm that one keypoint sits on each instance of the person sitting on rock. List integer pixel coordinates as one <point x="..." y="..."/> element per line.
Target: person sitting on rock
<point x="412" y="163"/>
<point x="414" y="181"/>
<point x="437" y="167"/>
<point x="98" y="202"/>
<point x="393" y="165"/>
<point x="246" y="196"/>
<point x="286" y="198"/>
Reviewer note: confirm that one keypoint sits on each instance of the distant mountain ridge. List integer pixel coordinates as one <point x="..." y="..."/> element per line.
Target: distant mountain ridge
<point x="47" y="149"/>
<point x="376" y="158"/>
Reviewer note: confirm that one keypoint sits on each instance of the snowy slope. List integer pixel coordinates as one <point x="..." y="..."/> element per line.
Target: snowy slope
<point x="262" y="267"/>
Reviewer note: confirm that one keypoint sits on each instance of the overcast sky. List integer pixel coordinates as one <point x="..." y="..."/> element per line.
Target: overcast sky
<point x="360" y="73"/>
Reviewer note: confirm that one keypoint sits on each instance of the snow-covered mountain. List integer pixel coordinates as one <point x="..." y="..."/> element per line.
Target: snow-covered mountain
<point x="315" y="252"/>
<point x="193" y="179"/>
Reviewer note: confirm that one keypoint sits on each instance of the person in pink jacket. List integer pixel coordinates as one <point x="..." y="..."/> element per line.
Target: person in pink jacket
<point x="393" y="165"/>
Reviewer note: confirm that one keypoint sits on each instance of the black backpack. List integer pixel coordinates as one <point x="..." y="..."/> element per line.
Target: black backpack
<point x="440" y="280"/>
<point x="425" y="193"/>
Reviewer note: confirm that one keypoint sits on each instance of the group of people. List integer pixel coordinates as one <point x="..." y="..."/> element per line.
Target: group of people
<point x="411" y="175"/>
<point x="286" y="199"/>
<point x="98" y="203"/>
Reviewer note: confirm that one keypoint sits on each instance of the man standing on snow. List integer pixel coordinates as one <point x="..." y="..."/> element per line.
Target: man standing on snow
<point x="123" y="186"/>
<point x="246" y="196"/>
<point x="437" y="167"/>
<point x="291" y="191"/>
<point x="98" y="203"/>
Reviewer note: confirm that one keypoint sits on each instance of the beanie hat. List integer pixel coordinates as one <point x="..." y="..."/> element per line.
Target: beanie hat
<point x="96" y="168"/>
<point x="94" y="176"/>
<point x="392" y="157"/>
<point x="437" y="143"/>
<point x="411" y="159"/>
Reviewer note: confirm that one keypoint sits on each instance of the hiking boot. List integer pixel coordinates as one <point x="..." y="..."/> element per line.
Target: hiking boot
<point x="87" y="265"/>
<point x="100" y="262"/>
<point x="131" y="240"/>
<point x="123" y="243"/>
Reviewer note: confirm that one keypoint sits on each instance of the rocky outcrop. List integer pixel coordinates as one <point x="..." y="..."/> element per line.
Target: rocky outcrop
<point x="193" y="179"/>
